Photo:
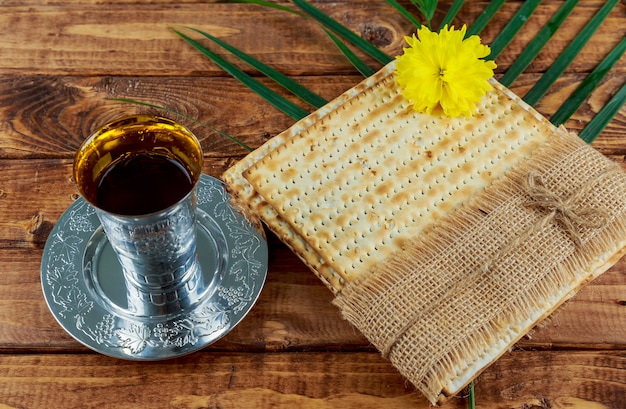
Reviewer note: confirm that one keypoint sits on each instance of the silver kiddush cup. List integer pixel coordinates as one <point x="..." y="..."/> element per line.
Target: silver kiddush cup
<point x="140" y="174"/>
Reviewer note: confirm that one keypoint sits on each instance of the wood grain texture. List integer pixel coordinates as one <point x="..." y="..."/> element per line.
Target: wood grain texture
<point x="302" y="380"/>
<point x="294" y="311"/>
<point x="49" y="117"/>
<point x="62" y="62"/>
<point x="94" y="40"/>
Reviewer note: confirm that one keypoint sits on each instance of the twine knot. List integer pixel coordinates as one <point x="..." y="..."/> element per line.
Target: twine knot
<point x="565" y="211"/>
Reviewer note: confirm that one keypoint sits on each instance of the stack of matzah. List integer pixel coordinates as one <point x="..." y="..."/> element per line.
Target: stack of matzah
<point x="444" y="240"/>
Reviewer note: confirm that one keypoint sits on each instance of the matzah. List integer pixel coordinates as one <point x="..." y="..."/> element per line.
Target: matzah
<point x="399" y="214"/>
<point x="435" y="145"/>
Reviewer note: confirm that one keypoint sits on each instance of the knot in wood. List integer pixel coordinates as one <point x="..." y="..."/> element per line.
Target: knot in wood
<point x="379" y="36"/>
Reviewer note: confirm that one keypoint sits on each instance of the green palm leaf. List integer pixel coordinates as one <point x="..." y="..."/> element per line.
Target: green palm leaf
<point x="602" y="119"/>
<point x="290" y="85"/>
<point x="471" y="398"/>
<point x="427" y="8"/>
<point x="536" y="45"/>
<point x="269" y="4"/>
<point x="406" y="13"/>
<point x="280" y="102"/>
<point x="588" y="85"/>
<point x="452" y="12"/>
<point x="567" y="56"/>
<point x="511" y="29"/>
<point x="357" y="62"/>
<point x="485" y="17"/>
<point x="344" y="32"/>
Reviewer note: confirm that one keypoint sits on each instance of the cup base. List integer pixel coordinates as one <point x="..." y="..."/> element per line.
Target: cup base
<point x="105" y="279"/>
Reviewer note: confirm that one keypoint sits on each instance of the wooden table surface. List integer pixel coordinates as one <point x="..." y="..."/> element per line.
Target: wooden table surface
<point x="62" y="62"/>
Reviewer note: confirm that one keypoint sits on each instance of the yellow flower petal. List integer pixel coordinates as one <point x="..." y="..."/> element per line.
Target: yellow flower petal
<point x="444" y="70"/>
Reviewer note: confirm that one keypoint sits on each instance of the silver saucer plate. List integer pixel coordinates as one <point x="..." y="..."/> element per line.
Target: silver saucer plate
<point x="84" y="288"/>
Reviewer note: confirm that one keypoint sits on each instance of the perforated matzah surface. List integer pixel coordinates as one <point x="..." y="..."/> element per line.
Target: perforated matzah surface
<point x="367" y="176"/>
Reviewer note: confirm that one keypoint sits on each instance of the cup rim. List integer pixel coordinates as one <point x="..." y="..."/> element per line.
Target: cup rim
<point x="138" y="120"/>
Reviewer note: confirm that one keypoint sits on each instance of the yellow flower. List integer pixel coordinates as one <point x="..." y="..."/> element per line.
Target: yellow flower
<point x="444" y="69"/>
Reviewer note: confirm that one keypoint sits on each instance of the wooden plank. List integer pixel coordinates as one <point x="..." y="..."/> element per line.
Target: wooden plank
<point x="24" y="222"/>
<point x="63" y="60"/>
<point x="87" y="39"/>
<point x="293" y="313"/>
<point x="301" y="380"/>
<point x="83" y="39"/>
<point x="594" y="318"/>
<point x="48" y="116"/>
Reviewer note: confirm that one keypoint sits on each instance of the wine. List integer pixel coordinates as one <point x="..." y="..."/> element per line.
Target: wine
<point x="138" y="166"/>
<point x="142" y="183"/>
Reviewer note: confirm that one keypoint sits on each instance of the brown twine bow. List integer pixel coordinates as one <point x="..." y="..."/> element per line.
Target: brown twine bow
<point x="565" y="211"/>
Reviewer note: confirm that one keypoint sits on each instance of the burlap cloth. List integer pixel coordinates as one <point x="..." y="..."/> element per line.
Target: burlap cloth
<point x="457" y="294"/>
<point x="460" y="295"/>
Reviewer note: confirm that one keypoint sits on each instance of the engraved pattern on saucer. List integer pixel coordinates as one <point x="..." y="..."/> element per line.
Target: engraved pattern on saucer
<point x="85" y="291"/>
